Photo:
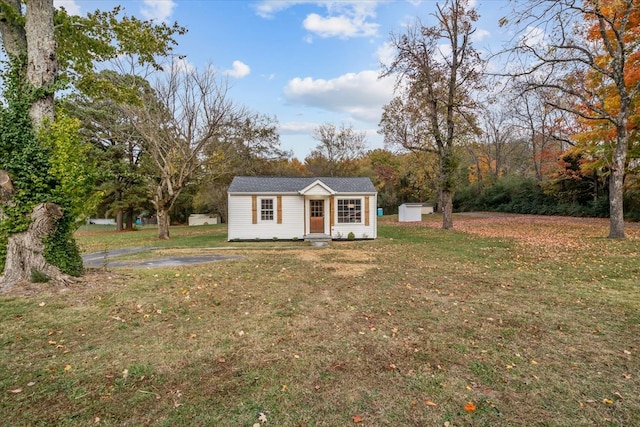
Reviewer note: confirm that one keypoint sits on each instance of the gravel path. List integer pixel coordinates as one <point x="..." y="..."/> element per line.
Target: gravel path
<point x="106" y="259"/>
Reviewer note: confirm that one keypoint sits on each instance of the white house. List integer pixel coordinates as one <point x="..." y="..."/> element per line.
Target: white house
<point x="267" y="208"/>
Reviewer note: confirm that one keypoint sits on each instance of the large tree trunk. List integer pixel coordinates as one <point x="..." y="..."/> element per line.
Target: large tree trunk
<point x="616" y="186"/>
<point x="129" y="219"/>
<point x="14" y="38"/>
<point x="163" y="223"/>
<point x="36" y="39"/>
<point x="119" y="219"/>
<point x="447" y="209"/>
<point x="25" y="250"/>
<point x="42" y="65"/>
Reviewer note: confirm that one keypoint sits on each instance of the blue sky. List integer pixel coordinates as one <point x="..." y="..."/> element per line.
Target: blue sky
<point x="304" y="62"/>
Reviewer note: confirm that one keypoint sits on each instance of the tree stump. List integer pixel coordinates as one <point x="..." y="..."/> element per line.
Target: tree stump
<point x="25" y="251"/>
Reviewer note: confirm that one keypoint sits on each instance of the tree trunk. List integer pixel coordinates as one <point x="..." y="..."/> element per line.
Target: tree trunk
<point x="129" y="223"/>
<point x="119" y="222"/>
<point x="14" y="38"/>
<point x="42" y="65"/>
<point x="25" y="250"/>
<point x="163" y="224"/>
<point x="447" y="209"/>
<point x="616" y="186"/>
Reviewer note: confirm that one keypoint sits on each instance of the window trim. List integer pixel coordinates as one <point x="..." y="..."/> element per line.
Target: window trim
<point x="357" y="210"/>
<point x="267" y="214"/>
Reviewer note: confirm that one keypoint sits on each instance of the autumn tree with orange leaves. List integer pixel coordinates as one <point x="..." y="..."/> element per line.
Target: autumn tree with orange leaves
<point x="591" y="71"/>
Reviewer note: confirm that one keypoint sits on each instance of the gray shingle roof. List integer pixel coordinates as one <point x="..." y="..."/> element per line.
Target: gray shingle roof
<point x="269" y="184"/>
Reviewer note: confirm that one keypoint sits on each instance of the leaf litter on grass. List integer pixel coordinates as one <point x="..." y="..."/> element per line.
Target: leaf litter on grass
<point x="458" y="319"/>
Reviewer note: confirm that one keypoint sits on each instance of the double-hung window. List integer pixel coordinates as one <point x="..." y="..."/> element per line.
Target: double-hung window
<point x="349" y="211"/>
<point x="266" y="209"/>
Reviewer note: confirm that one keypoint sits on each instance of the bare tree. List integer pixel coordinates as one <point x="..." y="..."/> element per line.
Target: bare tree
<point x="566" y="46"/>
<point x="544" y="128"/>
<point x="337" y="148"/>
<point x="497" y="151"/>
<point x="187" y="114"/>
<point x="437" y="70"/>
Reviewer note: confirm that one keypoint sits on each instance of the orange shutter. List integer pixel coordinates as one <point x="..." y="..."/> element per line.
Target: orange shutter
<point x="279" y="209"/>
<point x="254" y="209"/>
<point x="366" y="210"/>
<point x="331" y="213"/>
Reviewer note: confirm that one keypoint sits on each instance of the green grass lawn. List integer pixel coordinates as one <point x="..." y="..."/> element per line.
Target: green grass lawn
<point x="421" y="327"/>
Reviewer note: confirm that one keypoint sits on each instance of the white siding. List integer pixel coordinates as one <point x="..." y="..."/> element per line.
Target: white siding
<point x="240" y="224"/>
<point x="317" y="190"/>
<point x="360" y="230"/>
<point x="294" y="218"/>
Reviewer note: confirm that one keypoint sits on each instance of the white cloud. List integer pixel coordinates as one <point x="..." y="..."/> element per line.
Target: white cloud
<point x="239" y="70"/>
<point x="386" y="53"/>
<point x="342" y="19"/>
<point x="361" y="95"/>
<point x="480" y="35"/>
<point x="339" y="26"/>
<point x="70" y="6"/>
<point x="297" y="128"/>
<point x="181" y="65"/>
<point x="268" y="8"/>
<point x="157" y="10"/>
<point x="534" y="37"/>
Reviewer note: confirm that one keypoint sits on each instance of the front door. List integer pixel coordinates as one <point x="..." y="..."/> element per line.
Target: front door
<point x="316" y="220"/>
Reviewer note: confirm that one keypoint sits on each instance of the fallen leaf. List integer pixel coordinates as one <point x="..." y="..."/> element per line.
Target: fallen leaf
<point x="470" y="407"/>
<point x="67" y="368"/>
<point x="357" y="419"/>
<point x="607" y="401"/>
<point x="430" y="403"/>
<point x="16" y="391"/>
<point x="192" y="336"/>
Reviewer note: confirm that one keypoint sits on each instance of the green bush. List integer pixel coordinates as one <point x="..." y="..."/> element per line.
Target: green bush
<point x="528" y="196"/>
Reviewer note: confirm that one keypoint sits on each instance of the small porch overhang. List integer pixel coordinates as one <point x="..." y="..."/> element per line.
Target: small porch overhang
<point x="317" y="188"/>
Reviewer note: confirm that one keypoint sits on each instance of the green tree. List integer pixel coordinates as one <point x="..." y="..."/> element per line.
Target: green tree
<point x="38" y="203"/>
<point x="117" y="148"/>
